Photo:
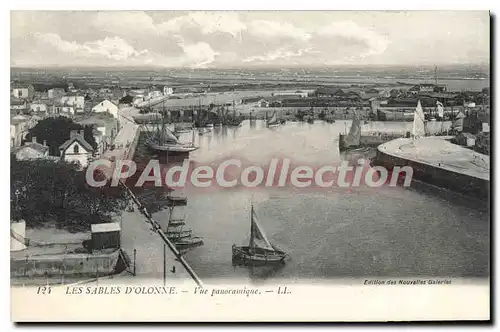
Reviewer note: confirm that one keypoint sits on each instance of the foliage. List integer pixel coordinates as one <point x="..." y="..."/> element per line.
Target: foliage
<point x="43" y="191"/>
<point x="126" y="100"/>
<point x="56" y="131"/>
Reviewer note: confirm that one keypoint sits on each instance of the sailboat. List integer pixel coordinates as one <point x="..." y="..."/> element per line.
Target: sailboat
<point x="418" y="129"/>
<point x="458" y="123"/>
<point x="273" y="121"/>
<point x="260" y="249"/>
<point x="182" y="238"/>
<point x="353" y="138"/>
<point x="163" y="139"/>
<point x="355" y="141"/>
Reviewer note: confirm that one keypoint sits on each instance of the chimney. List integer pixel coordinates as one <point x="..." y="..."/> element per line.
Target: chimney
<point x="44" y="142"/>
<point x="74" y="133"/>
<point x="33" y="139"/>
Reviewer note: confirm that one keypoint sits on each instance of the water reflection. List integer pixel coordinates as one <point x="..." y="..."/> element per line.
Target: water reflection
<point x="334" y="233"/>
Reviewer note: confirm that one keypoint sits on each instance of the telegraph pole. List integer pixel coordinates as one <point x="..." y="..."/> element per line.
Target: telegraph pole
<point x="164" y="264"/>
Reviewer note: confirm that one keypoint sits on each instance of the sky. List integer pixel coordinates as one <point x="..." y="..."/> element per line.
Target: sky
<point x="200" y="39"/>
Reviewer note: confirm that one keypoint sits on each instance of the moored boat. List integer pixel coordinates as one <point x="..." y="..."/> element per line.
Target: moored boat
<point x="260" y="249"/>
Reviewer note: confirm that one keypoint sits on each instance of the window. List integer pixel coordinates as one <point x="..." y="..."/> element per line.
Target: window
<point x="75" y="149"/>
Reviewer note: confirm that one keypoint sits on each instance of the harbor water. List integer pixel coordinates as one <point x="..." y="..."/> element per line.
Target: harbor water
<point x="420" y="231"/>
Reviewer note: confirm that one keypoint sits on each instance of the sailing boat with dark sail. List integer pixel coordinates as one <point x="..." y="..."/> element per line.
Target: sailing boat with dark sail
<point x="354" y="140"/>
<point x="163" y="139"/>
<point x="260" y="249"/>
<point x="273" y="121"/>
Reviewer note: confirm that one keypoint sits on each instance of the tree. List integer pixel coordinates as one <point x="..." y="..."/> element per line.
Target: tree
<point x="126" y="100"/>
<point x="56" y="131"/>
<point x="44" y="192"/>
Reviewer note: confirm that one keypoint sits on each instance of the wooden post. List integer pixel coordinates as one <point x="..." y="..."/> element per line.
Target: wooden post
<point x="135" y="255"/>
<point x="164" y="264"/>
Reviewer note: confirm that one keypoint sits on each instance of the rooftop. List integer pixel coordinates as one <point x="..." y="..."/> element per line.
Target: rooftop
<point x="36" y="148"/>
<point x="107" y="227"/>
<point x="80" y="140"/>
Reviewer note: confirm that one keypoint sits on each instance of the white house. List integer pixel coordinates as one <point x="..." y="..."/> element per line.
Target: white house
<point x="64" y="109"/>
<point x="38" y="107"/>
<point x="76" y="149"/>
<point x="154" y="94"/>
<point x="78" y="102"/>
<point x="56" y="93"/>
<point x="23" y="91"/>
<point x="167" y="90"/>
<point x="106" y="106"/>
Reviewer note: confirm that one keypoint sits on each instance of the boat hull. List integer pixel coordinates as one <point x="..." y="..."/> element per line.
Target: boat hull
<point x="245" y="254"/>
<point x="366" y="141"/>
<point x="173" y="235"/>
<point x="173" y="149"/>
<point x="185" y="244"/>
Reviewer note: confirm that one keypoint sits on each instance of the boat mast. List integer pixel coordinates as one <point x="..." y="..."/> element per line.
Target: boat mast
<point x="252" y="244"/>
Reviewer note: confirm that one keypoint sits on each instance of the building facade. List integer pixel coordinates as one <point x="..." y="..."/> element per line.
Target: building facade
<point x="106" y="106"/>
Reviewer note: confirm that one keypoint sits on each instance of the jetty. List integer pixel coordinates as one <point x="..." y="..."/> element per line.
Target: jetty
<point x="437" y="161"/>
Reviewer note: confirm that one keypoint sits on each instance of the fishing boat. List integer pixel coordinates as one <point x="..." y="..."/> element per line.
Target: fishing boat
<point x="182" y="238"/>
<point x="184" y="245"/>
<point x="273" y="121"/>
<point x="182" y="129"/>
<point x="355" y="141"/>
<point x="177" y="199"/>
<point x="161" y="139"/>
<point x="260" y="249"/>
<point x="233" y="120"/>
<point x="176" y="232"/>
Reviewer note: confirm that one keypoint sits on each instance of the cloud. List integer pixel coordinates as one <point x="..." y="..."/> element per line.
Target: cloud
<point x="375" y="42"/>
<point x="198" y="55"/>
<point x="113" y="48"/>
<point x="276" y="55"/>
<point x="206" y="22"/>
<point x="123" y="23"/>
<point x="273" y="29"/>
<point x="206" y="38"/>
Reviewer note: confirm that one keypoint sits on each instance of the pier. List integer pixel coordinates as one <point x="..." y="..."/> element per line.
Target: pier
<point x="436" y="161"/>
<point x="141" y="235"/>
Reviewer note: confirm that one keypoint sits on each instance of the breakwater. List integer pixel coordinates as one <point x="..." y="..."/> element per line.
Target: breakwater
<point x="466" y="174"/>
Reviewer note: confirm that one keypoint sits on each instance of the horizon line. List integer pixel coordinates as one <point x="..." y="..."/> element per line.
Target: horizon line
<point x="245" y="67"/>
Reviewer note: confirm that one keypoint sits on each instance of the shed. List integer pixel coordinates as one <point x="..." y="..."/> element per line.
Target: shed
<point x="105" y="236"/>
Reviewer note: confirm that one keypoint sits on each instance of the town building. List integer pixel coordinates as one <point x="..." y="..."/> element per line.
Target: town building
<point x="23" y="91"/>
<point x="76" y="149"/>
<point x="167" y="90"/>
<point x="18" y="105"/>
<point x="106" y="106"/>
<point x="72" y="99"/>
<point x="105" y="236"/>
<point x="105" y="124"/>
<point x="32" y="150"/>
<point x="18" y="131"/>
<point x="38" y="106"/>
<point x="56" y="93"/>
<point x="64" y="109"/>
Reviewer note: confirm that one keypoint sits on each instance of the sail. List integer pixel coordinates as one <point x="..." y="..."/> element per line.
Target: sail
<point x="353" y="138"/>
<point x="418" y="122"/>
<point x="257" y="237"/>
<point x="170" y="137"/>
<point x="440" y="109"/>
<point x="273" y="119"/>
<point x="458" y="124"/>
